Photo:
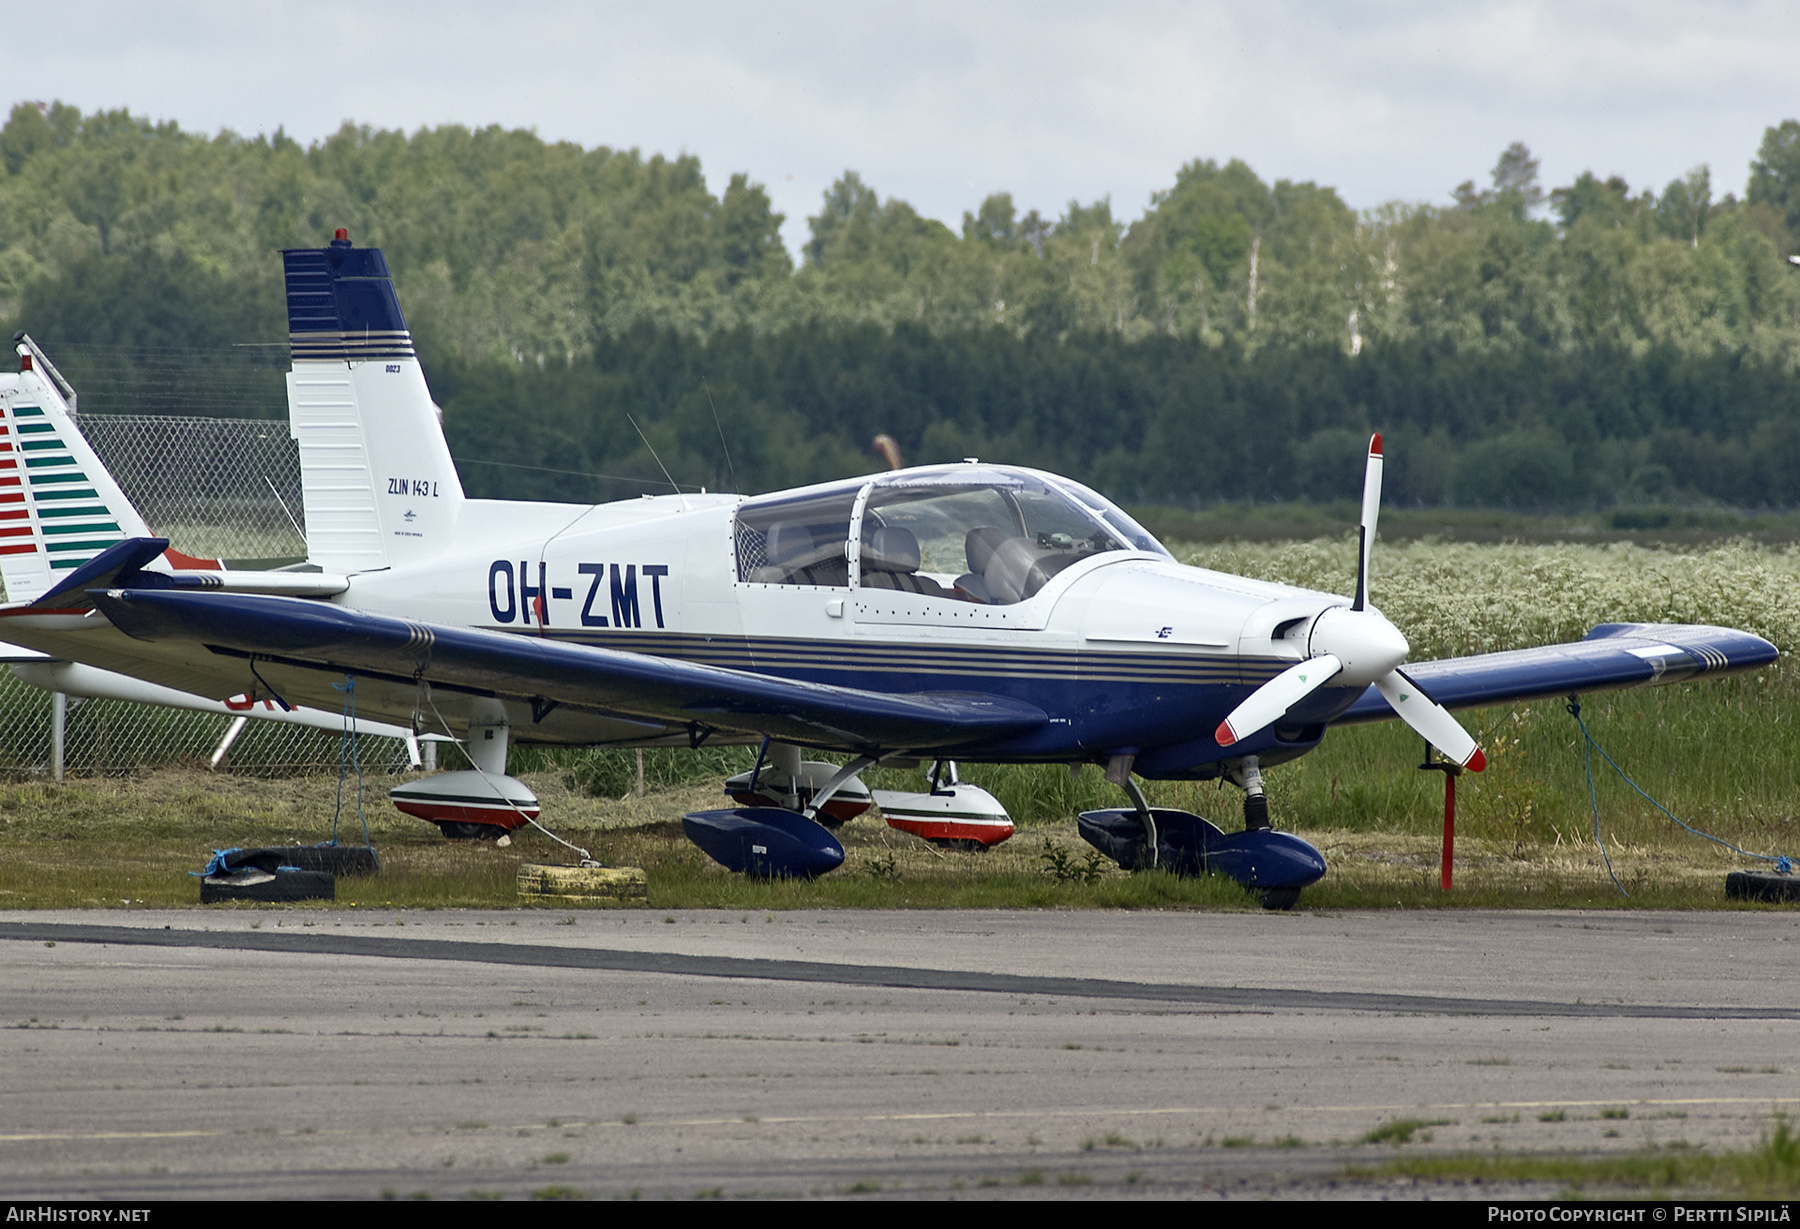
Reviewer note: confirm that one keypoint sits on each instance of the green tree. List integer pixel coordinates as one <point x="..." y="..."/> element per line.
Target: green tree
<point x="1775" y="173"/>
<point x="1681" y="212"/>
<point x="1607" y="203"/>
<point x="1515" y="178"/>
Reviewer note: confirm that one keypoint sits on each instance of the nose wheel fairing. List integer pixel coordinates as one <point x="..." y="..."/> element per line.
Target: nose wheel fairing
<point x="1263" y="860"/>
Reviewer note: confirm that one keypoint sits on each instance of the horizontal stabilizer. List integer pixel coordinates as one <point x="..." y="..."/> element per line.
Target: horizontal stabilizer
<point x="75" y="679"/>
<point x="121" y="562"/>
<point x="124" y="565"/>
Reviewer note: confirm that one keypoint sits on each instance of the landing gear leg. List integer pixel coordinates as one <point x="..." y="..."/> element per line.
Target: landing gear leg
<point x="1256" y="802"/>
<point x="816" y="805"/>
<point x="782" y="776"/>
<point x="1118" y="772"/>
<point x="943" y="777"/>
<point x="1248" y="775"/>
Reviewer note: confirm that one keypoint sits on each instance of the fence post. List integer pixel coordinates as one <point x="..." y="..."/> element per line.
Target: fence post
<point x="231" y="736"/>
<point x="59" y="729"/>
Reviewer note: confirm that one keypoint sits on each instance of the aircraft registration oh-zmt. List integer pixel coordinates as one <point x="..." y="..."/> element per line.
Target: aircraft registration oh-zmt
<point x="966" y="612"/>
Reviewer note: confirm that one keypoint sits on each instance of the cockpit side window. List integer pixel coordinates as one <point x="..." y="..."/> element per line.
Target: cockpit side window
<point x="796" y="541"/>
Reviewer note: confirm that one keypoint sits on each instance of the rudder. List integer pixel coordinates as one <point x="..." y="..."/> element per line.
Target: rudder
<point x="380" y="487"/>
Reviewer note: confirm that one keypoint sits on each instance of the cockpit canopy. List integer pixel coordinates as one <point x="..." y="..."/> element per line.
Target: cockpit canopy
<point x="970" y="533"/>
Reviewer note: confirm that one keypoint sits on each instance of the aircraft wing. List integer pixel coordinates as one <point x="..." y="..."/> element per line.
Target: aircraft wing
<point x="334" y="639"/>
<point x="1611" y="656"/>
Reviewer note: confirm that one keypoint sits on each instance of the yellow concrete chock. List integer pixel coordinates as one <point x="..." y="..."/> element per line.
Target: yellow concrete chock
<point x="582" y="883"/>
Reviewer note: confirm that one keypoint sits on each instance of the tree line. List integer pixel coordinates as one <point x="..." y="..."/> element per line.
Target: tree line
<point x="1587" y="344"/>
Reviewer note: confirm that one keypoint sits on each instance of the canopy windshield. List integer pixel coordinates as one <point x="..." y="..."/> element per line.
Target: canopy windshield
<point x="988" y="535"/>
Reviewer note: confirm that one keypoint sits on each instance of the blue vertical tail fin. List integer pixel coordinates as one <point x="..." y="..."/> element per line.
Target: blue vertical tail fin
<point x="380" y="488"/>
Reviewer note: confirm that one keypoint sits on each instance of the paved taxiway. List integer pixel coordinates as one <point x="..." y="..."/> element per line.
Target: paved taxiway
<point x="310" y="1052"/>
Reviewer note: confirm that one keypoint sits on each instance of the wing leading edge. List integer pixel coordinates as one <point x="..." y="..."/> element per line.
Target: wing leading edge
<point x="333" y="638"/>
<point x="1613" y="655"/>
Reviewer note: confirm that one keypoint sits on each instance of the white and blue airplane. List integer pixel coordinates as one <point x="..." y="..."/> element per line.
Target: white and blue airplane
<point x="971" y="612"/>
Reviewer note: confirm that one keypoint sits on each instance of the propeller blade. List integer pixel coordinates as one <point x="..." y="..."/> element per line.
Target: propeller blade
<point x="1431" y="720"/>
<point x="1371" y="509"/>
<point x="1267" y="703"/>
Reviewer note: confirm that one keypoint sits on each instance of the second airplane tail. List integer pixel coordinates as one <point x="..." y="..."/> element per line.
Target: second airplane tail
<point x="59" y="507"/>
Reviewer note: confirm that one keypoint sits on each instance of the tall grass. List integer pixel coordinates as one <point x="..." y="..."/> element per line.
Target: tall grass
<point x="1723" y="755"/>
<point x="604" y="772"/>
<point x="1454" y="598"/>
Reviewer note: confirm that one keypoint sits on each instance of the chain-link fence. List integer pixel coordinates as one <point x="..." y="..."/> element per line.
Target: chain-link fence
<point x="114" y="738"/>
<point x="217" y="488"/>
<point x="242" y="381"/>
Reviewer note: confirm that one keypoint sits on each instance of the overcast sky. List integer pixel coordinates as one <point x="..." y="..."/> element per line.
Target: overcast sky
<point x="942" y="103"/>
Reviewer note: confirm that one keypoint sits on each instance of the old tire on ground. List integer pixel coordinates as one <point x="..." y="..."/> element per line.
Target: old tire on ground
<point x="332" y="859"/>
<point x="1772" y="886"/>
<point x="284" y="885"/>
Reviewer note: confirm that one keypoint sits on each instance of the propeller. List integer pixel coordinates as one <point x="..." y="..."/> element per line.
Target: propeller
<point x="1356" y="646"/>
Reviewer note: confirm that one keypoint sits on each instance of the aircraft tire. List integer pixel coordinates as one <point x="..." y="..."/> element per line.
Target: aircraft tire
<point x="1282" y="899"/>
<point x="461" y="830"/>
<point x="286" y="885"/>
<point x="1772" y="886"/>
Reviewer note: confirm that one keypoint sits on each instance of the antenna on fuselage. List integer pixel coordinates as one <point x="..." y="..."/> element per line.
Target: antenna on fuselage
<point x="730" y="469"/>
<point x="653" y="456"/>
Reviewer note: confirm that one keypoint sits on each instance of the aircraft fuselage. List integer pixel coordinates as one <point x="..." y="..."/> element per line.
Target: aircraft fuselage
<point x="1127" y="651"/>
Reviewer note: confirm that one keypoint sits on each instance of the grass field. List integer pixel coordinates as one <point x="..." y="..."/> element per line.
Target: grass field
<point x="1771" y="1170"/>
<point x="1721" y="755"/>
<point x="1724" y="755"/>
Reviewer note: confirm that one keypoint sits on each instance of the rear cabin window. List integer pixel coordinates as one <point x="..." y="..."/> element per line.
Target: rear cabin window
<point x="796" y="541"/>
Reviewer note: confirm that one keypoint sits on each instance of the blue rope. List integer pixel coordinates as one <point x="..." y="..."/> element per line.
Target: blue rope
<point x="1783" y="864"/>
<point x="1587" y="756"/>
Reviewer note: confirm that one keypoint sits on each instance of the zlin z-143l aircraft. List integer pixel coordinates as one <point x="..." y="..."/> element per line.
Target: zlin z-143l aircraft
<point x="968" y="612"/>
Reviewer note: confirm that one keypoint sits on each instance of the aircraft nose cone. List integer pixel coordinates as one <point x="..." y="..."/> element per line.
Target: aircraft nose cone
<point x="1367" y="644"/>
